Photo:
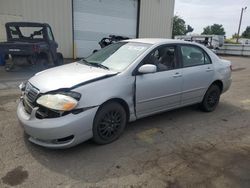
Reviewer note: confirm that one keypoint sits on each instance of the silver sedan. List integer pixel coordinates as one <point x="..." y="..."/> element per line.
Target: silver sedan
<point x="96" y="97"/>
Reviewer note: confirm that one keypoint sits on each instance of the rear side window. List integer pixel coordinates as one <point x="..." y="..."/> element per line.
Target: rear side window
<point x="194" y="56"/>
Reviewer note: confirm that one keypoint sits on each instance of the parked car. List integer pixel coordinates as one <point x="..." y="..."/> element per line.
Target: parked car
<point x="33" y="42"/>
<point x="96" y="97"/>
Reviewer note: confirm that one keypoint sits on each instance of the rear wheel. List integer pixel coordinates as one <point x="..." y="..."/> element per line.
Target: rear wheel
<point x="13" y="64"/>
<point x="42" y="63"/>
<point x="109" y="123"/>
<point x="211" y="98"/>
<point x="59" y="59"/>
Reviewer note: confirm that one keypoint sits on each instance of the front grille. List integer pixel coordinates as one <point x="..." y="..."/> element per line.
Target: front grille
<point x="44" y="112"/>
<point x="27" y="106"/>
<point x="31" y="93"/>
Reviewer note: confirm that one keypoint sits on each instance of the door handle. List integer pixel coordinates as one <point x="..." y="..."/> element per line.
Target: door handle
<point x="209" y="69"/>
<point x="177" y="75"/>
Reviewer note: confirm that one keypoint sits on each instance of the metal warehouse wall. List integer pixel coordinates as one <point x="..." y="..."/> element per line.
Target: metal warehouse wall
<point x="58" y="13"/>
<point x="156" y="18"/>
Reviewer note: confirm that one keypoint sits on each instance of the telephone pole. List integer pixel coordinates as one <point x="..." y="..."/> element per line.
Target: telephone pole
<point x="238" y="35"/>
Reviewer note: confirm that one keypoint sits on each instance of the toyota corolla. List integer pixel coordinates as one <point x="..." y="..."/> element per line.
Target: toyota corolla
<point x="97" y="96"/>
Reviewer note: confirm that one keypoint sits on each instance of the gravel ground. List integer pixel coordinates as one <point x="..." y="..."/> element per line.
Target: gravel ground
<point x="177" y="149"/>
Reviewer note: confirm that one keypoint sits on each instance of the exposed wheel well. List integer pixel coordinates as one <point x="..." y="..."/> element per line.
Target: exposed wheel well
<point x="121" y="102"/>
<point x="218" y="83"/>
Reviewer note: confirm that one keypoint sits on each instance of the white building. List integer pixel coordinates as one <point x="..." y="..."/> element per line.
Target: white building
<point x="79" y="25"/>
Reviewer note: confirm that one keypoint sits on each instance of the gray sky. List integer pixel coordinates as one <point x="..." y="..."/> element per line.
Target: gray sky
<point x="200" y="13"/>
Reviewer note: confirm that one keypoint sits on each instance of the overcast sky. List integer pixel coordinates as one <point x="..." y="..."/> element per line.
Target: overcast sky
<point x="200" y="13"/>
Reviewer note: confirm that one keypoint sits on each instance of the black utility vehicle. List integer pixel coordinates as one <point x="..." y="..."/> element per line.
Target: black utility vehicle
<point x="110" y="40"/>
<point x="32" y="42"/>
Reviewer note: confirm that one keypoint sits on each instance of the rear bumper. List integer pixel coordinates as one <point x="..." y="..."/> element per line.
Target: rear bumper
<point x="226" y="84"/>
<point x="62" y="132"/>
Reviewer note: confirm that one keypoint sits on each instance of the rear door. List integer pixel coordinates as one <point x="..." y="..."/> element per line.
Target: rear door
<point x="198" y="73"/>
<point x="161" y="90"/>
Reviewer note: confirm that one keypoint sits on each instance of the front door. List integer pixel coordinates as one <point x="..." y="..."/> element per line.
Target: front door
<point x="161" y="90"/>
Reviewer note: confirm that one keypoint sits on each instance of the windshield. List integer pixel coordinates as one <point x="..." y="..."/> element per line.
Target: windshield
<point x="118" y="56"/>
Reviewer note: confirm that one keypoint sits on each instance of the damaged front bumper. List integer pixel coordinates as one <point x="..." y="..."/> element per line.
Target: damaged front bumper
<point x="60" y="132"/>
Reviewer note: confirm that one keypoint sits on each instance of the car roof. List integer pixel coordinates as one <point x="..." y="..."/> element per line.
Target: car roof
<point x="158" y="41"/>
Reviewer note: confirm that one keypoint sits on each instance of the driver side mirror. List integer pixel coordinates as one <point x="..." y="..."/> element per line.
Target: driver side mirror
<point x="147" y="68"/>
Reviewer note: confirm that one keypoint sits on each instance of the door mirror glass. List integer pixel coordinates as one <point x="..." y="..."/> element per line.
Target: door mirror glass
<point x="148" y="68"/>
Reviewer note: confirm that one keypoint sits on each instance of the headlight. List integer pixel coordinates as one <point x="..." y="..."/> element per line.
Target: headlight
<point x="57" y="102"/>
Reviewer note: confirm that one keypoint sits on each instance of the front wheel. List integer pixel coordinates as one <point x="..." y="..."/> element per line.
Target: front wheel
<point x="42" y="63"/>
<point x="211" y="99"/>
<point x="109" y="123"/>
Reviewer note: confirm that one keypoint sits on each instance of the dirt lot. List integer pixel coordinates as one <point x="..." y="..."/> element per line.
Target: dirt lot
<point x="181" y="148"/>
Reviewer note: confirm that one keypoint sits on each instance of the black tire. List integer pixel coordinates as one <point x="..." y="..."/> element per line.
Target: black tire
<point x="13" y="64"/>
<point x="211" y="98"/>
<point x="9" y="65"/>
<point x="59" y="59"/>
<point x="109" y="123"/>
<point x="42" y="64"/>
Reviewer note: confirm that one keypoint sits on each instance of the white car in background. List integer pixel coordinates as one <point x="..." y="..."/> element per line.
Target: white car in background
<point x="96" y="97"/>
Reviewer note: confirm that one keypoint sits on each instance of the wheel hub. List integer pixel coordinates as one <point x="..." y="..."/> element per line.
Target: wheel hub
<point x="212" y="99"/>
<point x="110" y="124"/>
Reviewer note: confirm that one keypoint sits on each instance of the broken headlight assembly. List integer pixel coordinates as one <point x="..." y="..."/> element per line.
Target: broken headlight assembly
<point x="59" y="101"/>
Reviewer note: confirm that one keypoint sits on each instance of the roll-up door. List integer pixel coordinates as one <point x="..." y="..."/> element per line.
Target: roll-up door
<point x="95" y="19"/>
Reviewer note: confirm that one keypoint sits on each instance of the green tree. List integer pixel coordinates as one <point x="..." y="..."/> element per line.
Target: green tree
<point x="180" y="27"/>
<point x="189" y="29"/>
<point x="246" y="33"/>
<point x="235" y="35"/>
<point x="215" y="29"/>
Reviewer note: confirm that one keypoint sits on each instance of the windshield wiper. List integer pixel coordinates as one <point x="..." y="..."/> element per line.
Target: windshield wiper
<point x="94" y="64"/>
<point x="100" y="65"/>
<point x="85" y="62"/>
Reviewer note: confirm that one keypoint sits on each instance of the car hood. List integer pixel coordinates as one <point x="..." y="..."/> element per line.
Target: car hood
<point x="68" y="76"/>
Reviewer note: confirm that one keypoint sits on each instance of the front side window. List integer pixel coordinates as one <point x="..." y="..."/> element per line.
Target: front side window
<point x="165" y="58"/>
<point x="118" y="56"/>
<point x="193" y="56"/>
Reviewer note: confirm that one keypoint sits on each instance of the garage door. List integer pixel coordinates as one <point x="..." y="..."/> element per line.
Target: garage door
<point x="95" y="19"/>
